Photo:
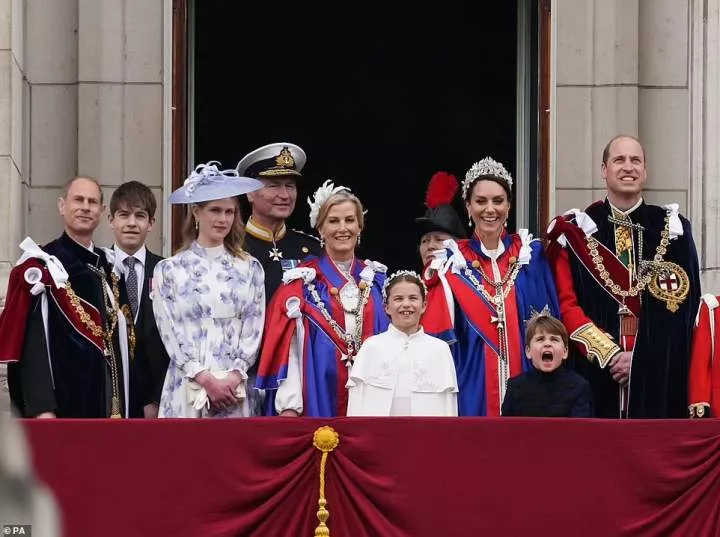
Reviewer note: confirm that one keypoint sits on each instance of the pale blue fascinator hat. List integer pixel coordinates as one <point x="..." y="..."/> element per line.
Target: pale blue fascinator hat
<point x="207" y="183"/>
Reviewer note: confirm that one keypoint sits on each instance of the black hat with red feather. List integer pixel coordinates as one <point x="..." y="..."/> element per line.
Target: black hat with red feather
<point x="440" y="215"/>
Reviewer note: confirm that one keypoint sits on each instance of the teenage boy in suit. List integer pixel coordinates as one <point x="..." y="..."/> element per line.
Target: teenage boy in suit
<point x="132" y="215"/>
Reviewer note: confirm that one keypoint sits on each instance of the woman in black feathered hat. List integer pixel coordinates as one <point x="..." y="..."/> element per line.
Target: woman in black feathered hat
<point x="440" y="221"/>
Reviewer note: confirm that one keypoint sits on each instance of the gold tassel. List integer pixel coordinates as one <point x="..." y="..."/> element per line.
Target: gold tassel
<point x="115" y="412"/>
<point x="325" y="439"/>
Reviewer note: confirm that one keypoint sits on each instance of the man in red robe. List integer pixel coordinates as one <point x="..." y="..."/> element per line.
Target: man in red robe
<point x="704" y="388"/>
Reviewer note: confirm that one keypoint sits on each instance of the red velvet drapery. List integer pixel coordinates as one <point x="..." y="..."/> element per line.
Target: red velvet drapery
<point x="388" y="477"/>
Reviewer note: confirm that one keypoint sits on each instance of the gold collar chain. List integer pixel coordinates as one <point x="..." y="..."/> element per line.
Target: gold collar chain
<point x="111" y="320"/>
<point x="353" y="342"/>
<point x="642" y="280"/>
<point x="502" y="288"/>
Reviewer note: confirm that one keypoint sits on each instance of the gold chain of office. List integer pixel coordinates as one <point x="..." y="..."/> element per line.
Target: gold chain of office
<point x="502" y="288"/>
<point x="353" y="341"/>
<point x="642" y="280"/>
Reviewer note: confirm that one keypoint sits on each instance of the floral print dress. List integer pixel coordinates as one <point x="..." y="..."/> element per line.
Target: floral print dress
<point x="210" y="308"/>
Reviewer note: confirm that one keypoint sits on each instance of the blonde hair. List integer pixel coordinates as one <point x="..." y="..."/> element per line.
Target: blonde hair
<point x="337" y="199"/>
<point x="233" y="241"/>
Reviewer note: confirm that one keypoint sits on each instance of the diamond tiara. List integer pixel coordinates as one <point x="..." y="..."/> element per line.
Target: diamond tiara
<point x="396" y="275"/>
<point x="486" y="167"/>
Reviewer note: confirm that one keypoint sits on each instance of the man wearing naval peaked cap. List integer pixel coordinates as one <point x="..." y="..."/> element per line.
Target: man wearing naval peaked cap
<point x="279" y="167"/>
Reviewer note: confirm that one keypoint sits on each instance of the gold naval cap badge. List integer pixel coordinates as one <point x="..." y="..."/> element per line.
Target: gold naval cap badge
<point x="285" y="159"/>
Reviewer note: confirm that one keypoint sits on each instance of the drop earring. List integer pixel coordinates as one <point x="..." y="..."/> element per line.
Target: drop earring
<point x="470" y="222"/>
<point x="322" y="242"/>
<point x="197" y="225"/>
<point x="358" y="239"/>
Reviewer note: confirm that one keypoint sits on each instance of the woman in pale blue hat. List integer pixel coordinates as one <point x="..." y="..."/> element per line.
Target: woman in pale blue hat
<point x="209" y="302"/>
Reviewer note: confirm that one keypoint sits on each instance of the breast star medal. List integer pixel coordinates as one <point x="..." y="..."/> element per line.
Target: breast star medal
<point x="671" y="285"/>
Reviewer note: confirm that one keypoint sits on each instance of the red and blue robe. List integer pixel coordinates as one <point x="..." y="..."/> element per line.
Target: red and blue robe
<point x="324" y="372"/>
<point x="461" y="315"/>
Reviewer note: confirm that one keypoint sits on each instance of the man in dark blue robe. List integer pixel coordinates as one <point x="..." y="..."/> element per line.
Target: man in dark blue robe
<point x="62" y="329"/>
<point x="629" y="288"/>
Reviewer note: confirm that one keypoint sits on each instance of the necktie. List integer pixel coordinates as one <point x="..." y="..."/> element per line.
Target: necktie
<point x="132" y="284"/>
<point x="624" y="241"/>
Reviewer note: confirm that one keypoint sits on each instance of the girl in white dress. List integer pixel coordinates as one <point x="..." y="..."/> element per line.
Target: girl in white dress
<point x="403" y="371"/>
<point x="209" y="302"/>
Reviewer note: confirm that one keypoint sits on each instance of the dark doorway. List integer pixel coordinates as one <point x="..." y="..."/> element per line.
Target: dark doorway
<point x="380" y="96"/>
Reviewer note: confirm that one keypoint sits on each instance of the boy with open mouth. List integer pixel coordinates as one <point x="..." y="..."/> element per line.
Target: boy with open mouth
<point x="548" y="389"/>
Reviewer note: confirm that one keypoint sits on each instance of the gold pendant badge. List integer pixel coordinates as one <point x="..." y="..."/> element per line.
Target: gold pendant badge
<point x="671" y="284"/>
<point x="285" y="159"/>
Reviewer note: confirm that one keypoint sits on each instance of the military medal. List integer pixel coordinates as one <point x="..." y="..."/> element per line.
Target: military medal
<point x="275" y="254"/>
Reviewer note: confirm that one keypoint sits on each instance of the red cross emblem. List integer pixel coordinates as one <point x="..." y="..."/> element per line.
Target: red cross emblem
<point x="668" y="283"/>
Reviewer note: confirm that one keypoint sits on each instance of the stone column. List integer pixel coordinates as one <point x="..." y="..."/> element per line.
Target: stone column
<point x="13" y="162"/>
<point x="120" y="97"/>
<point x="14" y="157"/>
<point x="705" y="138"/>
<point x="51" y="46"/>
<point x="650" y="68"/>
<point x="596" y="91"/>
<point x="664" y="100"/>
<point x="81" y="92"/>
<point x="622" y="67"/>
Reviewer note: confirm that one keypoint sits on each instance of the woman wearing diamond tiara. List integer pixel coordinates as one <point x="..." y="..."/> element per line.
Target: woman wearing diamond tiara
<point x="209" y="302"/>
<point x="485" y="289"/>
<point x="403" y="371"/>
<point x="321" y="315"/>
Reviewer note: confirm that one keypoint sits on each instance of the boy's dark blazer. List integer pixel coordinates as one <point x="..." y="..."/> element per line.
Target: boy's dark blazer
<point x="151" y="358"/>
<point x="148" y="337"/>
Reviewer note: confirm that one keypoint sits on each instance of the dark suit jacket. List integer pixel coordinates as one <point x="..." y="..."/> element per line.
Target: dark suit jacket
<point x="149" y="337"/>
<point x="151" y="359"/>
<point x="561" y="393"/>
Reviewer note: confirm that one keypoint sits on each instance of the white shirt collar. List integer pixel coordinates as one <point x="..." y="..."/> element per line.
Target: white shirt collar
<point x="493" y="254"/>
<point x="402" y="335"/>
<point x="91" y="247"/>
<point x="140" y="255"/>
<point x="628" y="211"/>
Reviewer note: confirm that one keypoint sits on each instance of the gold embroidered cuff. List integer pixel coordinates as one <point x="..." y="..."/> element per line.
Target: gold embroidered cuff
<point x="699" y="410"/>
<point x="598" y="345"/>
